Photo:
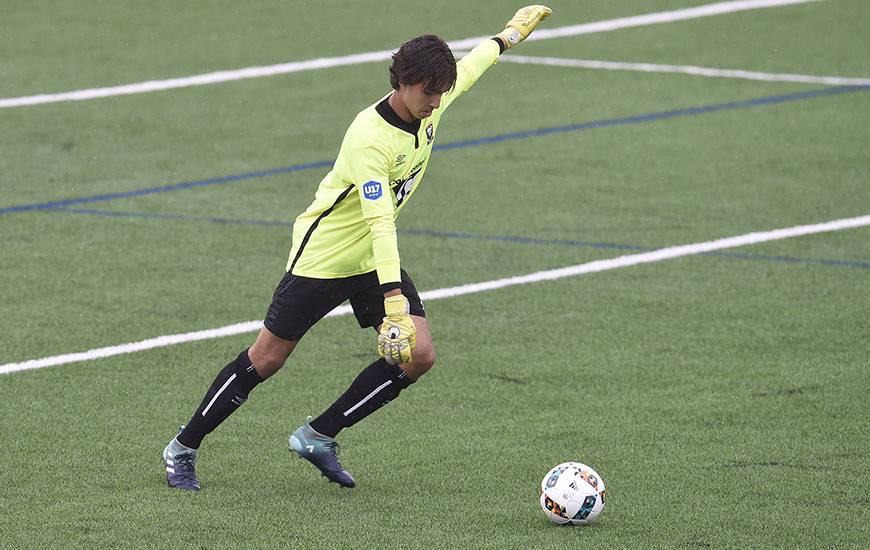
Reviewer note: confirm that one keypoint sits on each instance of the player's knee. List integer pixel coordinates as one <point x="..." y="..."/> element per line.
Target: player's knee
<point x="269" y="353"/>
<point x="267" y="362"/>
<point x="423" y="359"/>
<point x="267" y="367"/>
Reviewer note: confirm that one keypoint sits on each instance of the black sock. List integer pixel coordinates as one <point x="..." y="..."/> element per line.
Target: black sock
<point x="227" y="393"/>
<point x="374" y="387"/>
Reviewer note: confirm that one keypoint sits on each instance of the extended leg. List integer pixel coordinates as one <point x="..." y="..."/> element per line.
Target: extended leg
<point x="228" y="391"/>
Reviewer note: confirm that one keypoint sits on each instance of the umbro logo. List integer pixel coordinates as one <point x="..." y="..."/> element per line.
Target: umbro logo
<point x="400" y="160"/>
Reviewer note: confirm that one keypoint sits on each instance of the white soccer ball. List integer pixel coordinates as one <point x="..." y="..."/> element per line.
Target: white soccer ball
<point x="572" y="492"/>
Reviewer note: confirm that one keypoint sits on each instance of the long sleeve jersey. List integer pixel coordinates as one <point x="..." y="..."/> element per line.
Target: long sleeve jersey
<point x="349" y="228"/>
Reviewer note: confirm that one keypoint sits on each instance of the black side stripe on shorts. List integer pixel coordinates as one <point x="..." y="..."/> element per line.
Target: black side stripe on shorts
<point x="314" y="225"/>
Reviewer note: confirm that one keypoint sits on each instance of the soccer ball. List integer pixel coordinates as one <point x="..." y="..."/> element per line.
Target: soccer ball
<point x="572" y="493"/>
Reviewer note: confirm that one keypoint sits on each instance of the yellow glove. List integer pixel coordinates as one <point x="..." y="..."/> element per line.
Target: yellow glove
<point x="398" y="333"/>
<point x="523" y="23"/>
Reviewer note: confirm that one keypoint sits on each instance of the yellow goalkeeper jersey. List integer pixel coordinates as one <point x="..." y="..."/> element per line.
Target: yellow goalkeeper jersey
<point x="350" y="228"/>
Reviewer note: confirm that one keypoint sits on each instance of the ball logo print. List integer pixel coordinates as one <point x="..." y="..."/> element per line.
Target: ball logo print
<point x="372" y="190"/>
<point x="572" y="493"/>
<point x="591" y="479"/>
<point x="554" y="508"/>
<point x="586" y="508"/>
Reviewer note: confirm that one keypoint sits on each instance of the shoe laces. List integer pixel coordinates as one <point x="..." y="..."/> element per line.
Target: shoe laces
<point x="185" y="467"/>
<point x="332" y="447"/>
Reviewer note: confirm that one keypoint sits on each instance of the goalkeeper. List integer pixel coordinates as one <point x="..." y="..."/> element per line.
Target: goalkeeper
<point x="345" y="248"/>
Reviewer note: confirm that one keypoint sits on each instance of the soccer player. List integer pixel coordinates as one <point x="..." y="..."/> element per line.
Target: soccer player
<point x="344" y="248"/>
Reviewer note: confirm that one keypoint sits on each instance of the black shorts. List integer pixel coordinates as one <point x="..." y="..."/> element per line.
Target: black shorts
<point x="299" y="302"/>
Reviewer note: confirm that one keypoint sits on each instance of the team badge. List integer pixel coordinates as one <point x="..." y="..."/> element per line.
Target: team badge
<point x="372" y="190"/>
<point x="430" y="133"/>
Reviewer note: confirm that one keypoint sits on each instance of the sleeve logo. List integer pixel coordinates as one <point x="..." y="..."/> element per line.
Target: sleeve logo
<point x="372" y="190"/>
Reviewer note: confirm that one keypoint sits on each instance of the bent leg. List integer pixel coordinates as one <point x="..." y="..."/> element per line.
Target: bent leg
<point x="377" y="385"/>
<point x="423" y="354"/>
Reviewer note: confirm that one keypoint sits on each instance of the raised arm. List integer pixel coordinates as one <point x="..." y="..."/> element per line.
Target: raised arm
<point x="485" y="54"/>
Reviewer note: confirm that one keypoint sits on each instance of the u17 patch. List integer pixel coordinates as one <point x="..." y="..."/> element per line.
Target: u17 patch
<point x="372" y="190"/>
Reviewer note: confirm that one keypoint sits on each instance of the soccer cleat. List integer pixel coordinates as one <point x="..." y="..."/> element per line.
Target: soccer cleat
<point x="180" y="467"/>
<point x="322" y="451"/>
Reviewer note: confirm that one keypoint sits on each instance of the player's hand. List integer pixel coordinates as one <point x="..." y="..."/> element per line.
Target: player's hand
<point x="523" y="23"/>
<point x="398" y="335"/>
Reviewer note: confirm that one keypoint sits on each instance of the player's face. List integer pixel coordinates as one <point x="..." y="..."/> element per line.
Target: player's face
<point x="420" y="100"/>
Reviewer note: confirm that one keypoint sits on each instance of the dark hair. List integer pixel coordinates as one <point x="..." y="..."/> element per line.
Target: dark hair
<point x="426" y="59"/>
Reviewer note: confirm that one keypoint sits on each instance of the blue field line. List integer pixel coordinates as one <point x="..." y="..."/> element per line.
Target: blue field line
<point x="636" y="248"/>
<point x="171" y="217"/>
<point x="471" y="236"/>
<point x="604" y="123"/>
<point x="662" y="115"/>
<point x="522" y="240"/>
<point x="790" y="259"/>
<point x="165" y="188"/>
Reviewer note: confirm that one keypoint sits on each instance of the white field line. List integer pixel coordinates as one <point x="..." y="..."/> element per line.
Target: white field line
<point x="718" y="8"/>
<point x="451" y="292"/>
<point x="686" y="69"/>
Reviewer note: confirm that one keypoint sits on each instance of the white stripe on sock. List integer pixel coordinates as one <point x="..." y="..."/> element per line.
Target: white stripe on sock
<point x="219" y="392"/>
<point x="366" y="398"/>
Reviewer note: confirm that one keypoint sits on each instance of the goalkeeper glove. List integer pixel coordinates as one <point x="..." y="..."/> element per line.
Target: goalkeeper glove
<point x="398" y="333"/>
<point x="523" y="23"/>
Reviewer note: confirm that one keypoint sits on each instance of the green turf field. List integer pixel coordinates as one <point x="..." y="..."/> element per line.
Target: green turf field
<point x="723" y="397"/>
